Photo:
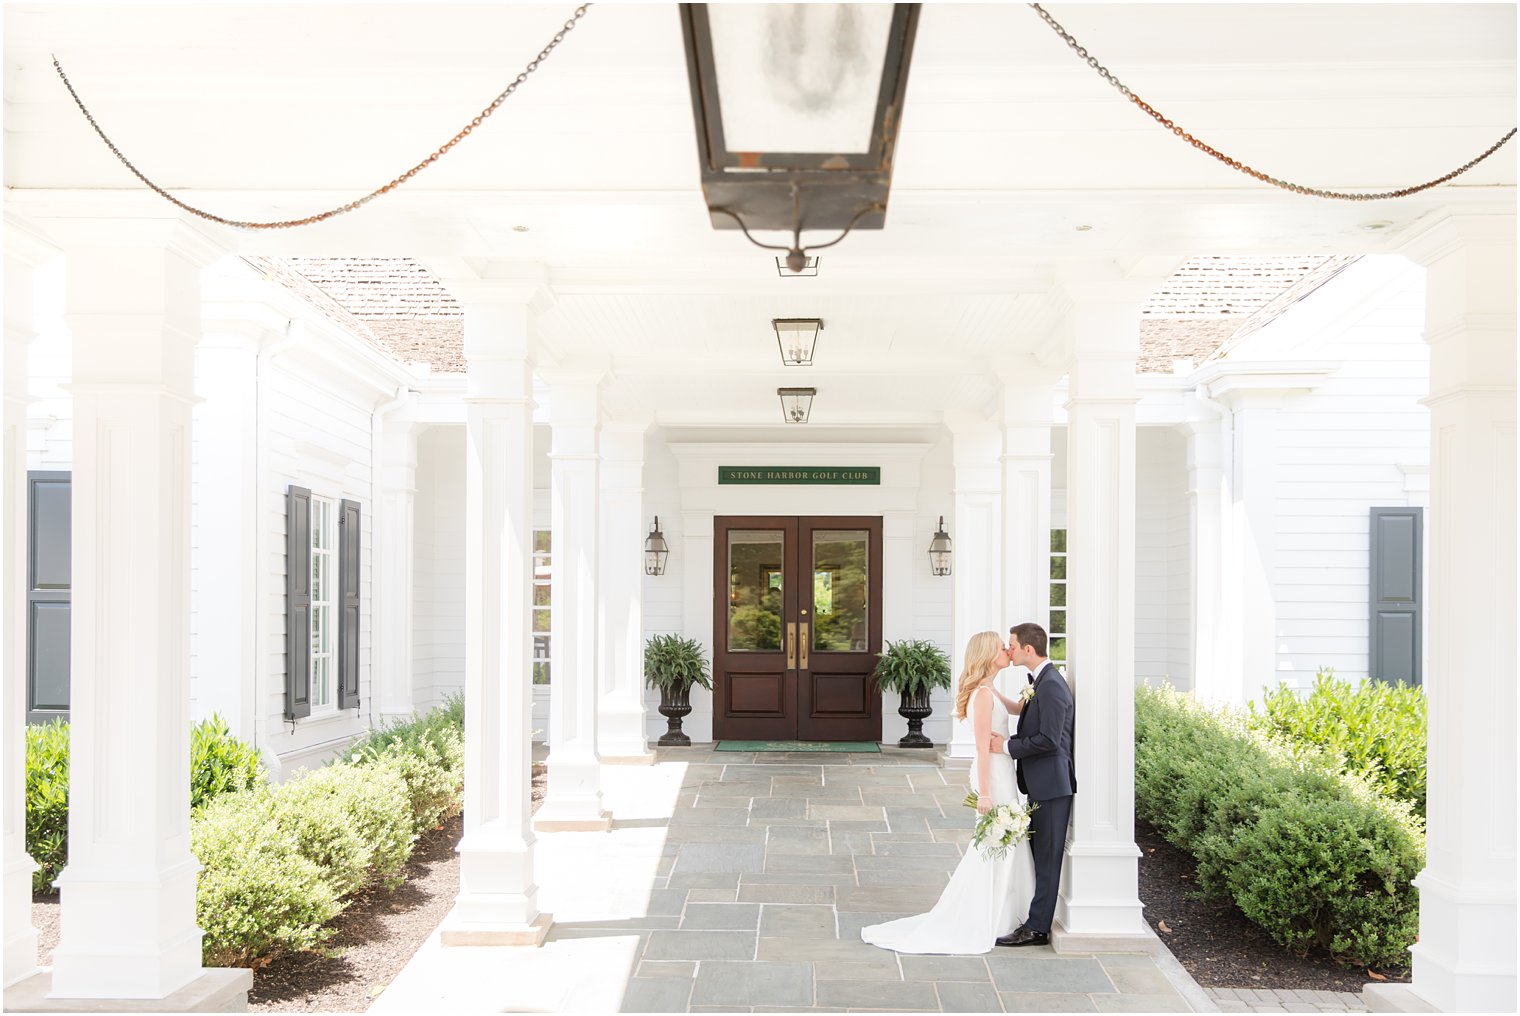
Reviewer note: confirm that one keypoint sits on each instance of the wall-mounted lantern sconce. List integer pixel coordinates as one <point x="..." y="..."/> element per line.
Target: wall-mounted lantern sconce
<point x="655" y="550"/>
<point x="797" y="337"/>
<point x="797" y="110"/>
<point x="939" y="550"/>
<point x="796" y="403"/>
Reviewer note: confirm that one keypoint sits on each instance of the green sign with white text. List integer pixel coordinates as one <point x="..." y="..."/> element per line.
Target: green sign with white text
<point x="849" y="475"/>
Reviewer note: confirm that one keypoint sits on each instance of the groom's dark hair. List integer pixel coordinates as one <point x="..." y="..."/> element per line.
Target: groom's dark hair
<point x="1031" y="635"/>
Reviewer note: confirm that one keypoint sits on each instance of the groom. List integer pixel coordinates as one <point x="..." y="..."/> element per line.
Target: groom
<point x="1043" y="757"/>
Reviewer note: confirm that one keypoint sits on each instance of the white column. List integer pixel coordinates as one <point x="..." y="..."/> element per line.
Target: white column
<point x="1026" y="505"/>
<point x="573" y="800"/>
<point x="225" y="515"/>
<point x="900" y="554"/>
<point x="1464" y="960"/>
<point x="24" y="250"/>
<point x="698" y="550"/>
<point x="620" y="643"/>
<point x="1207" y="494"/>
<point x="1249" y="591"/>
<point x="1100" y="899"/>
<point x="498" y="901"/>
<point x="396" y="454"/>
<point x="976" y="529"/>
<point x="128" y="892"/>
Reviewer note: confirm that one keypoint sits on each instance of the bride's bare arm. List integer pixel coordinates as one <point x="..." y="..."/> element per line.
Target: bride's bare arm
<point x="981" y="725"/>
<point x="1014" y="706"/>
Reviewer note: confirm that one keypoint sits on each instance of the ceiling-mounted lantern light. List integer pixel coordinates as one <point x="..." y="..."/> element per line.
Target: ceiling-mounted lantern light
<point x="797" y="110"/>
<point x="809" y="268"/>
<point x="656" y="550"/>
<point x="796" y="403"/>
<point x="939" y="550"/>
<point x="797" y="338"/>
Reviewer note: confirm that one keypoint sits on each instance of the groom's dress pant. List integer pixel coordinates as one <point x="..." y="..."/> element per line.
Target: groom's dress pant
<point x="1047" y="844"/>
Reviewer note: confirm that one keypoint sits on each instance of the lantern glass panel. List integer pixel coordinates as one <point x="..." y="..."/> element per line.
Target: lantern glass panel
<point x="799" y="77"/>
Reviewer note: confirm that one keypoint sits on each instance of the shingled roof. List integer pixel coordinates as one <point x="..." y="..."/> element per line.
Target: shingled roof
<point x="396" y="305"/>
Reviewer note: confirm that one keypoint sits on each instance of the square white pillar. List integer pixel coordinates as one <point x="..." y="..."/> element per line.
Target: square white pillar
<point x="25" y="249"/>
<point x="128" y="892"/>
<point x="498" y="900"/>
<point x="1100" y="899"/>
<point x="395" y="455"/>
<point x="620" y="623"/>
<point x="1027" y="412"/>
<point x="1207" y="495"/>
<point x="976" y="531"/>
<point x="1464" y="960"/>
<point x="573" y="799"/>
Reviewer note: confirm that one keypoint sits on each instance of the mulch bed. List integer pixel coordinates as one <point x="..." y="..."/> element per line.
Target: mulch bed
<point x="375" y="937"/>
<point x="1215" y="941"/>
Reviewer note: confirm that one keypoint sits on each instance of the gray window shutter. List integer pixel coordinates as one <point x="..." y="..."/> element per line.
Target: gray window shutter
<point x="297" y="602"/>
<point x="49" y="538"/>
<point x="348" y="597"/>
<point x="1396" y="578"/>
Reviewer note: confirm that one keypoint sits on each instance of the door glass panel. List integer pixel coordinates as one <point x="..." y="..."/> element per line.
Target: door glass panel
<point x="755" y="588"/>
<point x="840" y="581"/>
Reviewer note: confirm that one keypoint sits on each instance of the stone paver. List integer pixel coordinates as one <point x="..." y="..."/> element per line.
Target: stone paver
<point x="749" y="895"/>
<point x="1284" y="1000"/>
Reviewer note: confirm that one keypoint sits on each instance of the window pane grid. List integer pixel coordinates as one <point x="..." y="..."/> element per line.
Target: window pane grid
<point x="322" y="597"/>
<point x="1057" y="625"/>
<point x="542" y="583"/>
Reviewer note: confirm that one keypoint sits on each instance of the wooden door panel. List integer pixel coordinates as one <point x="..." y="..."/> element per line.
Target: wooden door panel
<point x="796" y="627"/>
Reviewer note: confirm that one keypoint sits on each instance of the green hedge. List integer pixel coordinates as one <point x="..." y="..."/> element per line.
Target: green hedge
<point x="219" y="764"/>
<point x="1315" y="856"/>
<point x="282" y="862"/>
<point x="278" y="863"/>
<point x="1375" y="730"/>
<point x="47" y="801"/>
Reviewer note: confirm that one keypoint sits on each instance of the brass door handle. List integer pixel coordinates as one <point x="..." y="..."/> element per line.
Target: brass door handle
<point x="791" y="645"/>
<point x="804" y="634"/>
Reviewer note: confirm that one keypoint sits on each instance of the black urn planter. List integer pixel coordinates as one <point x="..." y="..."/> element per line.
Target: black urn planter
<point x="914" y="707"/>
<point x="675" y="703"/>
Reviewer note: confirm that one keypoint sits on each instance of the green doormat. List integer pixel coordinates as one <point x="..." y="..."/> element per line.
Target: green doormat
<point x="797" y="746"/>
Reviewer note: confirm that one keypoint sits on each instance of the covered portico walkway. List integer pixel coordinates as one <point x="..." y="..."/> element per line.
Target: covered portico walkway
<point x="735" y="881"/>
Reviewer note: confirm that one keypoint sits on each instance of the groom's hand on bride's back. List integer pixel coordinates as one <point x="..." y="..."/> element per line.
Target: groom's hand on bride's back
<point x="995" y="745"/>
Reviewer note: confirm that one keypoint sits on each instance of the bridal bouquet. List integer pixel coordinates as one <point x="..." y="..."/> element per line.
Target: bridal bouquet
<point x="1002" y="828"/>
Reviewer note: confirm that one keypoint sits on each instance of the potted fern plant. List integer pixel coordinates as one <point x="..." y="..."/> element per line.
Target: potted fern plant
<point x="673" y="664"/>
<point x="913" y="668"/>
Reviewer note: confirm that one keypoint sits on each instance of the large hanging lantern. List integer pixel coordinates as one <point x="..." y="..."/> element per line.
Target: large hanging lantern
<point x="940" y="551"/>
<point x="797" y="111"/>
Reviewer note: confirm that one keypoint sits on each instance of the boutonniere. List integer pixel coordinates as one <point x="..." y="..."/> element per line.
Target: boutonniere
<point x="1027" y="692"/>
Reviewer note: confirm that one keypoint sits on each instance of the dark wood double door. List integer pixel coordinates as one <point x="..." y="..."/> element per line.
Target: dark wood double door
<point x="796" y="628"/>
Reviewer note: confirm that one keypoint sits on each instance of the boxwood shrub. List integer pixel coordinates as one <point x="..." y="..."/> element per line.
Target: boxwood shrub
<point x="1372" y="729"/>
<point x="219" y="764"/>
<point x="1312" y="854"/>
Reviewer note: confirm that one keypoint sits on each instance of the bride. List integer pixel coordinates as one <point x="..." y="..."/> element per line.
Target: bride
<point x="985" y="898"/>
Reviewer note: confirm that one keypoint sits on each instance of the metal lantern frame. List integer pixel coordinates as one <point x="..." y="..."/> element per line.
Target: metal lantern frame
<point x="656" y="550"/>
<point x="801" y="408"/>
<point x="940" y="550"/>
<point x="808" y="345"/>
<point x="795" y="191"/>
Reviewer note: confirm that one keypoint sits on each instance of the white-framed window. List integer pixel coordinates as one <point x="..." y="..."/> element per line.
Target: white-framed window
<point x="324" y="598"/>
<point x="1057" y="627"/>
<point x="542" y="574"/>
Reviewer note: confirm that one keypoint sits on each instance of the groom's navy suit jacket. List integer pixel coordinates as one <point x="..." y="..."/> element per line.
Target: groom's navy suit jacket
<point x="1042" y="745"/>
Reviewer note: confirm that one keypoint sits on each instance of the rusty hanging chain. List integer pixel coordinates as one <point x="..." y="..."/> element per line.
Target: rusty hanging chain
<point x="1313" y="192"/>
<point x="480" y="118"/>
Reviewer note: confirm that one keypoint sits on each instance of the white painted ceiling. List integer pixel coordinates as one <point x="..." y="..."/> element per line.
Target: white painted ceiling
<point x="1009" y="144"/>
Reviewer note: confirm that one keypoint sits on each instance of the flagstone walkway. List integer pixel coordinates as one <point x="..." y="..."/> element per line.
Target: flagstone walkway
<point x="734" y="882"/>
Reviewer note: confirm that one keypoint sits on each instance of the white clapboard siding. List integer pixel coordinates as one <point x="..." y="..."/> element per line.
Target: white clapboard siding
<point x="1340" y="452"/>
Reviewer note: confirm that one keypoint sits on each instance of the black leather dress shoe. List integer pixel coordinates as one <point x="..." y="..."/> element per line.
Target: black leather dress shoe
<point x="1024" y="936"/>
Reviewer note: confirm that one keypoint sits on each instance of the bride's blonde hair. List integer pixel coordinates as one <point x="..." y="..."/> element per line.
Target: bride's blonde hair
<point x="981" y="660"/>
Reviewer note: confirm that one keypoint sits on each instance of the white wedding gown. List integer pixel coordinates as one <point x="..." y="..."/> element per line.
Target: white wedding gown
<point x="985" y="898"/>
